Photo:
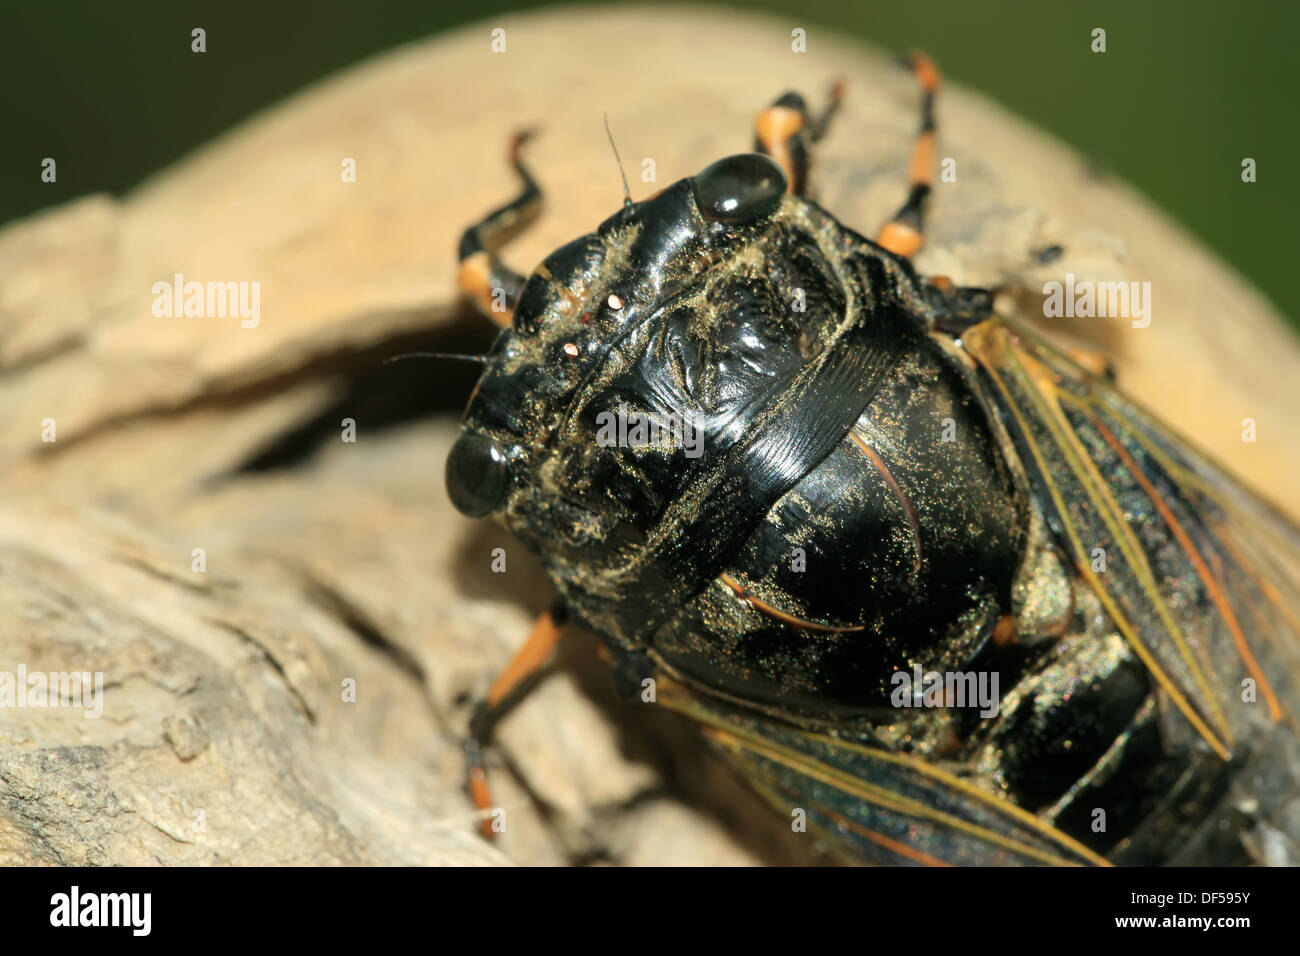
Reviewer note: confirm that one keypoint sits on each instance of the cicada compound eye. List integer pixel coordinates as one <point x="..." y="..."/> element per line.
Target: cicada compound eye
<point x="476" y="475"/>
<point x="740" y="189"/>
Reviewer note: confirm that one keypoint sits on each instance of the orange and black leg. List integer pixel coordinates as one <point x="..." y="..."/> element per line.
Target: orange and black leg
<point x="904" y="234"/>
<point x="785" y="130"/>
<point x="956" y="307"/>
<point x="493" y="286"/>
<point x="509" y="687"/>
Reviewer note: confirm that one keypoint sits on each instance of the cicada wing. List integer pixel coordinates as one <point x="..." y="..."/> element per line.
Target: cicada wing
<point x="873" y="805"/>
<point x="1197" y="574"/>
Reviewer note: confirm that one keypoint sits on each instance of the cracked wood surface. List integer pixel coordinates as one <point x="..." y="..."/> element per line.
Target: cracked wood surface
<point x="225" y="736"/>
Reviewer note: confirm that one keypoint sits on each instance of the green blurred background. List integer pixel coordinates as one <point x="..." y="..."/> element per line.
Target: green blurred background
<point x="1183" y="93"/>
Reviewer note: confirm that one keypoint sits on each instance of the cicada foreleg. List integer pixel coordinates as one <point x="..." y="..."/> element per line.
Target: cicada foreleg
<point x="786" y="129"/>
<point x="905" y="234"/>
<point x="493" y="285"/>
<point x="506" y="690"/>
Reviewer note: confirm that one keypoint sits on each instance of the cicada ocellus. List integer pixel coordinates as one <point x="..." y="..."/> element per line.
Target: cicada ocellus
<point x="825" y="502"/>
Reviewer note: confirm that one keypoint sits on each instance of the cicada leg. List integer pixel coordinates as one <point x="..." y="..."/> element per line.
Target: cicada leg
<point x="785" y="130"/>
<point x="904" y="234"/>
<point x="506" y="690"/>
<point x="493" y="285"/>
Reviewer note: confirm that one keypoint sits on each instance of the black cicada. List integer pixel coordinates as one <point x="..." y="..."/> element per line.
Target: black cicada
<point x="825" y="503"/>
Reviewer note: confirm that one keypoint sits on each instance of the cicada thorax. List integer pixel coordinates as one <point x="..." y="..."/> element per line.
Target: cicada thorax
<point x="755" y="461"/>
<point x="896" y="550"/>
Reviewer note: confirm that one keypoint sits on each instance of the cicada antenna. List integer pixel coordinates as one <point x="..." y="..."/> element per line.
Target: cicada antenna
<point x="627" y="193"/>
<point x="480" y="359"/>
